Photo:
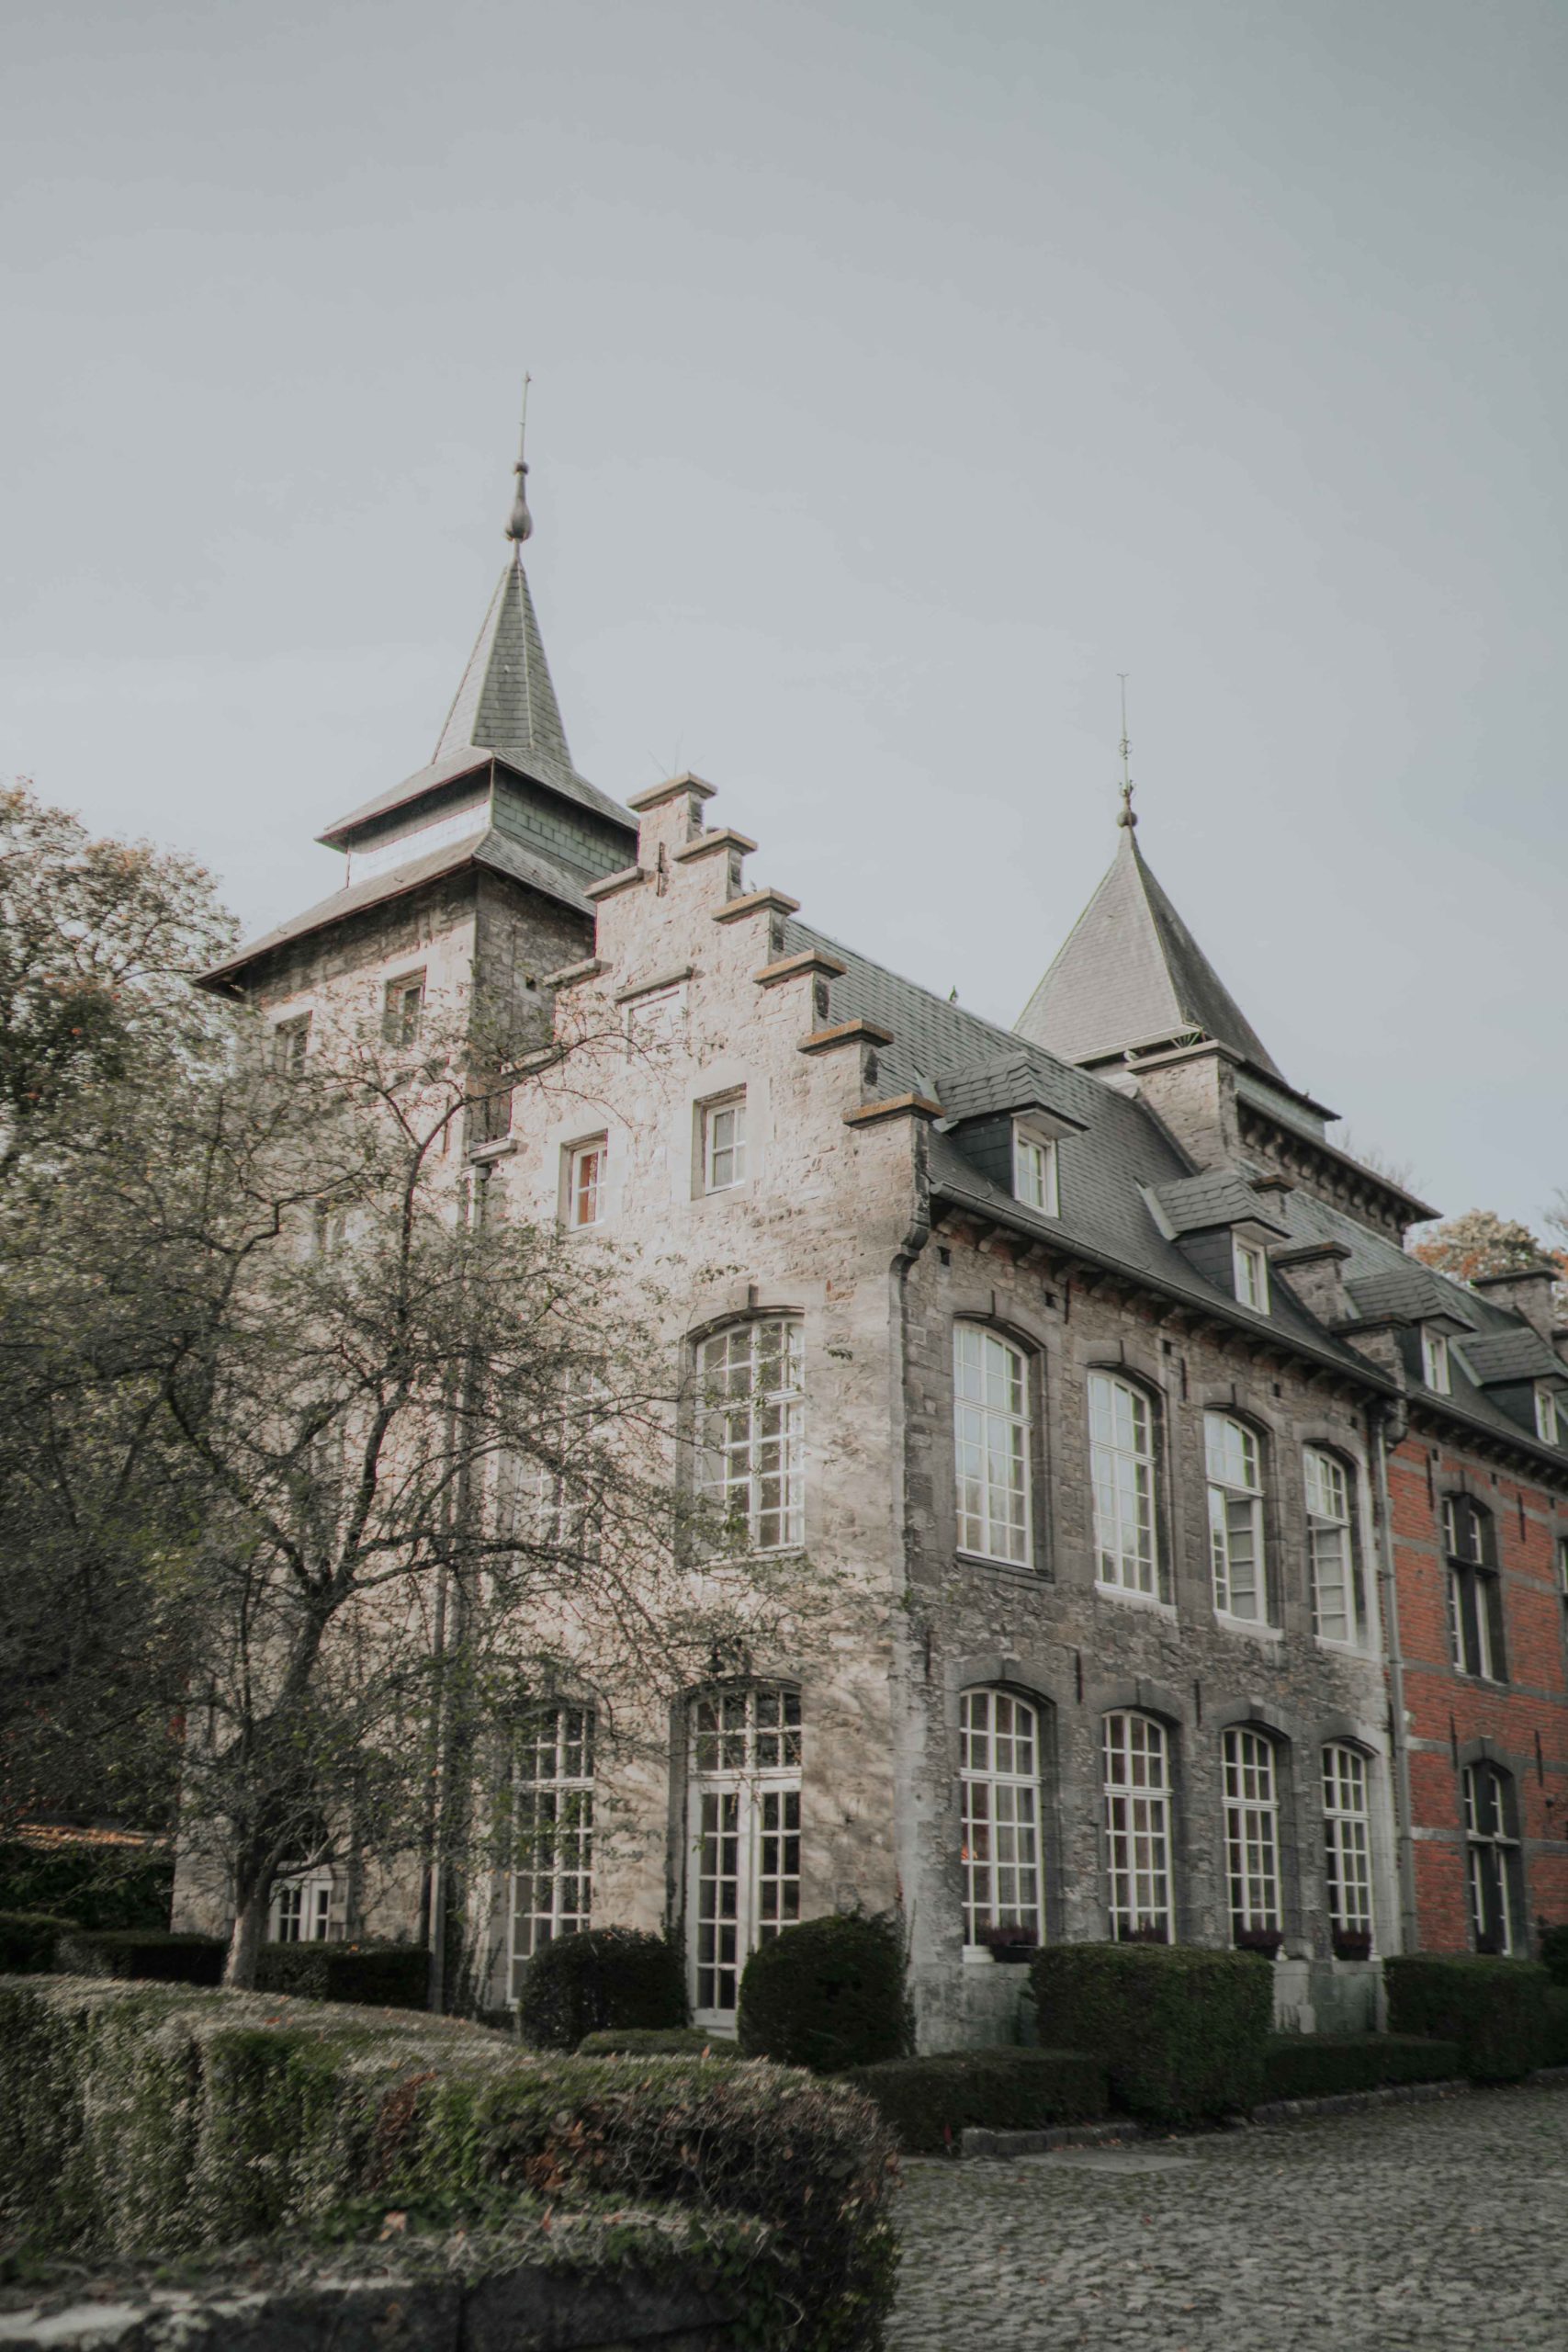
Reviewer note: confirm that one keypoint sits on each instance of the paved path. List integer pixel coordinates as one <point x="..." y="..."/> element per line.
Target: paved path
<point x="1438" y="2228"/>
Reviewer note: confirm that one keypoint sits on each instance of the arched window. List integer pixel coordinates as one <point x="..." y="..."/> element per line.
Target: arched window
<point x="752" y="1432"/>
<point x="1474" y="1589"/>
<point x="1122" y="1473"/>
<point x="991" y="1443"/>
<point x="1136" y="1761"/>
<point x="1252" y="1835"/>
<point x="999" y="1762"/>
<point x="1235" y="1517"/>
<point x="1339" y="1593"/>
<point x="1348" y="1844"/>
<point x="1496" y="1864"/>
<point x="743" y="1835"/>
<point x="553" y="1795"/>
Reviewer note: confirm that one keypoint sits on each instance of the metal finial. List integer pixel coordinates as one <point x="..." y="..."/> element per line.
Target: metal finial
<point x="521" y="524"/>
<point x="1128" y="816"/>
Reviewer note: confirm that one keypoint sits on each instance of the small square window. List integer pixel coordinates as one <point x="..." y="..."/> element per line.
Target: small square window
<point x="585" y="1183"/>
<point x="1034" y="1177"/>
<point x="1546" y="1416"/>
<point x="1434" y="1360"/>
<point x="724" y="1144"/>
<point x="290" y="1042"/>
<point x="405" y="1009"/>
<point x="1251" y="1275"/>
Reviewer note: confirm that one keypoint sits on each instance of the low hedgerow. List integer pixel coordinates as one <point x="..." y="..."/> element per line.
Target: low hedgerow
<point x="153" y="2121"/>
<point x="828" y="1994"/>
<point x="1182" y="2031"/>
<point x="27" y="1940"/>
<point x="603" y="1981"/>
<point x="1321" y="2065"/>
<point x="162" y="1959"/>
<point x="99" y="1885"/>
<point x="1554" y="1952"/>
<point x="1494" y="2010"/>
<point x="927" y="2102"/>
<point x="654" y="2042"/>
<point x="1553" y="2046"/>
<point x="393" y="1976"/>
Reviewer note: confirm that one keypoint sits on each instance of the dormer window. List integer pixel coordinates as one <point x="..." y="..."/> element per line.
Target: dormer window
<point x="1251" y="1270"/>
<point x="1034" y="1177"/>
<point x="1546" y="1423"/>
<point x="1435" y="1361"/>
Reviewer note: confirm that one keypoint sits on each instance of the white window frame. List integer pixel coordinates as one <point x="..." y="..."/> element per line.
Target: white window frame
<point x="1136" y="1778"/>
<point x="290" y="1045"/>
<point x="992" y="1446"/>
<point x="552" y="1875"/>
<point x="1475" y="1590"/>
<point x="1250" y="1270"/>
<point x="301" y="1912"/>
<point x="722" y="1149"/>
<point x="1036" y="1172"/>
<point x="587" y="1166"/>
<point x="1122" y="1464"/>
<point x="403" y="1013"/>
<point x="1348" y="1838"/>
<point x="1334" y="1555"/>
<point x="1494" y="1855"/>
<point x="751" y="1430"/>
<point x="1546" y="1424"/>
<point x="1436" y="1372"/>
<point x="1235" y="1474"/>
<point x="998" y="1771"/>
<point x="1251" y="1767"/>
<point x="744" y="1838"/>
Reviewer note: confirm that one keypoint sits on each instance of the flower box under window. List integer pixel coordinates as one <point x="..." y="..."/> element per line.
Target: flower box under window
<point x="1264" y="1939"/>
<point x="1014" y="1945"/>
<point x="1352" y="1943"/>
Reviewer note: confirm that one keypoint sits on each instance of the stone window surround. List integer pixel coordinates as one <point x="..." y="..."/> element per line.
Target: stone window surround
<point x="1362" y="1554"/>
<point x="751" y="1304"/>
<point x="1154" y="1392"/>
<point x="1032" y="1347"/>
<point x="1269" y="1625"/>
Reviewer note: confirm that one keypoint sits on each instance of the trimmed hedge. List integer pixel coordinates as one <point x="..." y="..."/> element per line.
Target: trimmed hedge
<point x="1321" y="2065"/>
<point x="927" y="2102"/>
<point x="101" y="1886"/>
<point x="1182" y="2031"/>
<point x="1554" y="1952"/>
<point x="393" y="1976"/>
<point x="604" y="1980"/>
<point x="27" y="1939"/>
<point x="828" y="1994"/>
<point x="655" y="2041"/>
<point x="153" y="2120"/>
<point x="130" y="1952"/>
<point x="1553" y="2050"/>
<point x="1494" y="2010"/>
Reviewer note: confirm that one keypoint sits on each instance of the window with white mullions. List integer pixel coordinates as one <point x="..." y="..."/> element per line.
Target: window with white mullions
<point x="1235" y="1517"/>
<point x="301" y="1908"/>
<point x="999" y="1753"/>
<point x="1474" y="1589"/>
<point x="553" y="1821"/>
<point x="991" y="1444"/>
<point x="1034" y="1172"/>
<point x="1496" y="1859"/>
<point x="724" y="1144"/>
<point x="1135" y="1752"/>
<point x="751" y="1443"/>
<point x="1252" y="1833"/>
<point x="743" y="1837"/>
<point x="585" y="1185"/>
<point x="1348" y="1840"/>
<point x="1121" y="1473"/>
<point x="1339" y="1597"/>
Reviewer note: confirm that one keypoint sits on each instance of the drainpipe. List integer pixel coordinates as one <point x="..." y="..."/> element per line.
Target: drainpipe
<point x="1382" y="1420"/>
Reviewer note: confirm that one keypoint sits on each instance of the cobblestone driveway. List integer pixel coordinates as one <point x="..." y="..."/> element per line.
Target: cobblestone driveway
<point x="1441" y="2226"/>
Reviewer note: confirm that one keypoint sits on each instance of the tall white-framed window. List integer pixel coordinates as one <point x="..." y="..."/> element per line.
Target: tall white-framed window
<point x="1546" y="1427"/>
<point x="1036" y="1177"/>
<point x="1435" y="1359"/>
<point x="999" y="1765"/>
<point x="1250" y="1268"/>
<point x="751" y="1432"/>
<point x="1252" y="1834"/>
<point x="1338" y="1594"/>
<point x="1348" y="1841"/>
<point x="1121" y="1475"/>
<point x="1495" y="1859"/>
<point x="585" y="1167"/>
<point x="290" y="1044"/>
<point x="722" y="1143"/>
<point x="1474" y="1589"/>
<point x="991" y="1444"/>
<point x="405" y="1011"/>
<point x="1136" y="1764"/>
<point x="1235" y="1517"/>
<point x="301" y="1908"/>
<point x="552" y="1879"/>
<point x="744" y="1838"/>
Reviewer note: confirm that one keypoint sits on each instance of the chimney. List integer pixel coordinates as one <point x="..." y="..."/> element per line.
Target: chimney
<point x="1527" y="1291"/>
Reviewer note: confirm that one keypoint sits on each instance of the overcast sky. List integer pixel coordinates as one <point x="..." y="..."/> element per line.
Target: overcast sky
<point x="902" y="374"/>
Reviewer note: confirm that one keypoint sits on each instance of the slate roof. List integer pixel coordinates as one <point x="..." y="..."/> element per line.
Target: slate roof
<point x="1010" y="1081"/>
<point x="1130" y="974"/>
<point x="1497" y="1357"/>
<point x="1220" y="1196"/>
<point x="1408" y="1292"/>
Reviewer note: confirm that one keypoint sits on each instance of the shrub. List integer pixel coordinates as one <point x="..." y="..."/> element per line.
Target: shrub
<point x="604" y="1980"/>
<point x="927" y="2102"/>
<point x="101" y="1886"/>
<point x="394" y="1976"/>
<point x="1494" y="2010"/>
<point x="131" y="1952"/>
<point x="1554" y="1952"/>
<point x="827" y="1993"/>
<point x="153" y="2120"/>
<point x="1554" y="2049"/>
<point x="655" y="2041"/>
<point x="27" y="1939"/>
<point x="1320" y="2065"/>
<point x="1182" y="2031"/>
